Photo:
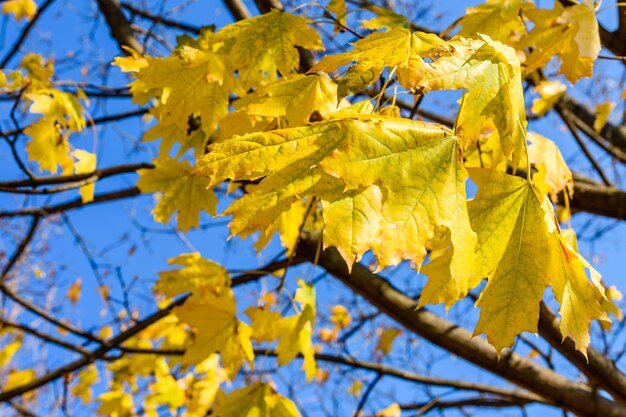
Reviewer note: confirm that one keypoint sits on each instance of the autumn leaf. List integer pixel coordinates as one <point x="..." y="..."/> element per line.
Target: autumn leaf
<point x="550" y="93"/>
<point x="264" y="328"/>
<point x="398" y="47"/>
<point x="498" y="19"/>
<point x="552" y="168"/>
<point x="350" y="164"/>
<point x="385" y="19"/>
<point x="16" y="378"/>
<point x="217" y="328"/>
<point x="521" y="252"/>
<point x="190" y="83"/>
<point x="386" y="339"/>
<point x="570" y="32"/>
<point x="204" y="389"/>
<point x="85" y="164"/>
<point x="21" y="9"/>
<point x="83" y="387"/>
<point x="393" y="410"/>
<point x="338" y="8"/>
<point x="181" y="192"/>
<point x="187" y="138"/>
<point x="490" y="71"/>
<point x="198" y="275"/>
<point x="296" y="331"/>
<point x="260" y="47"/>
<point x="290" y="101"/>
<point x="10" y="349"/>
<point x="116" y="403"/>
<point x="73" y="292"/>
<point x="340" y="316"/>
<point x="49" y="147"/>
<point x="256" y="400"/>
<point x="603" y="111"/>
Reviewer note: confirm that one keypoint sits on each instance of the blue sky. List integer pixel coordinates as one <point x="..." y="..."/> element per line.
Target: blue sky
<point x="122" y="237"/>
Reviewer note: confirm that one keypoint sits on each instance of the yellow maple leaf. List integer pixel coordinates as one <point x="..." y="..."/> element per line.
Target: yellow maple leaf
<point x="73" y="292"/>
<point x="203" y="390"/>
<point x="190" y="83"/>
<point x="256" y="400"/>
<point x="260" y="47"/>
<point x="48" y="147"/>
<point x="296" y="331"/>
<point x="17" y="378"/>
<point x="570" y="32"/>
<point x="520" y="251"/>
<point x="397" y="47"/>
<point x="340" y="316"/>
<point x="264" y="328"/>
<point x="351" y="164"/>
<point x="546" y="156"/>
<point x="498" y="19"/>
<point x="393" y="410"/>
<point x="214" y="319"/>
<point x="338" y="8"/>
<point x="199" y="276"/>
<point x="550" y="93"/>
<point x="86" y="379"/>
<point x="355" y="388"/>
<point x="182" y="192"/>
<point x="116" y="403"/>
<point x="603" y="111"/>
<point x="9" y="350"/>
<point x="385" y="19"/>
<point x="290" y="101"/>
<point x="386" y="339"/>
<point x="490" y="71"/>
<point x="195" y="139"/>
<point x="21" y="9"/>
<point x="164" y="391"/>
<point x="86" y="163"/>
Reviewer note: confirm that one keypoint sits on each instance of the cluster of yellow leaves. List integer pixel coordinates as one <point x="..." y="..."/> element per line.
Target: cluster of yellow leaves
<point x="190" y="92"/>
<point x="211" y="312"/>
<point x="382" y="183"/>
<point x="21" y="9"/>
<point x="487" y="69"/>
<point x="60" y="113"/>
<point x="571" y="33"/>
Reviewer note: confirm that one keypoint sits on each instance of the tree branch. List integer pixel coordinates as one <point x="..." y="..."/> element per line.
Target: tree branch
<point x="119" y="26"/>
<point x="572" y="396"/>
<point x="77" y="203"/>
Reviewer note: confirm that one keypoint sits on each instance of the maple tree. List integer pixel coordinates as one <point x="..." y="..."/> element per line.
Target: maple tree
<point x="349" y="139"/>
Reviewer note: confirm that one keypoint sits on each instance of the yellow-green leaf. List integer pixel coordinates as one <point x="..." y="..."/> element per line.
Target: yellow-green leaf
<point x="256" y="400"/>
<point x="386" y="339"/>
<point x="603" y="111"/>
<point x="521" y="251"/>
<point x="385" y="19"/>
<point x="397" y="47"/>
<point x="260" y="47"/>
<point x="198" y="275"/>
<point x="217" y="329"/>
<point x="48" y="147"/>
<point x="498" y="19"/>
<point x="181" y="192"/>
<point x="85" y="163"/>
<point x="291" y="101"/>
<point x="376" y="161"/>
<point x="550" y="93"/>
